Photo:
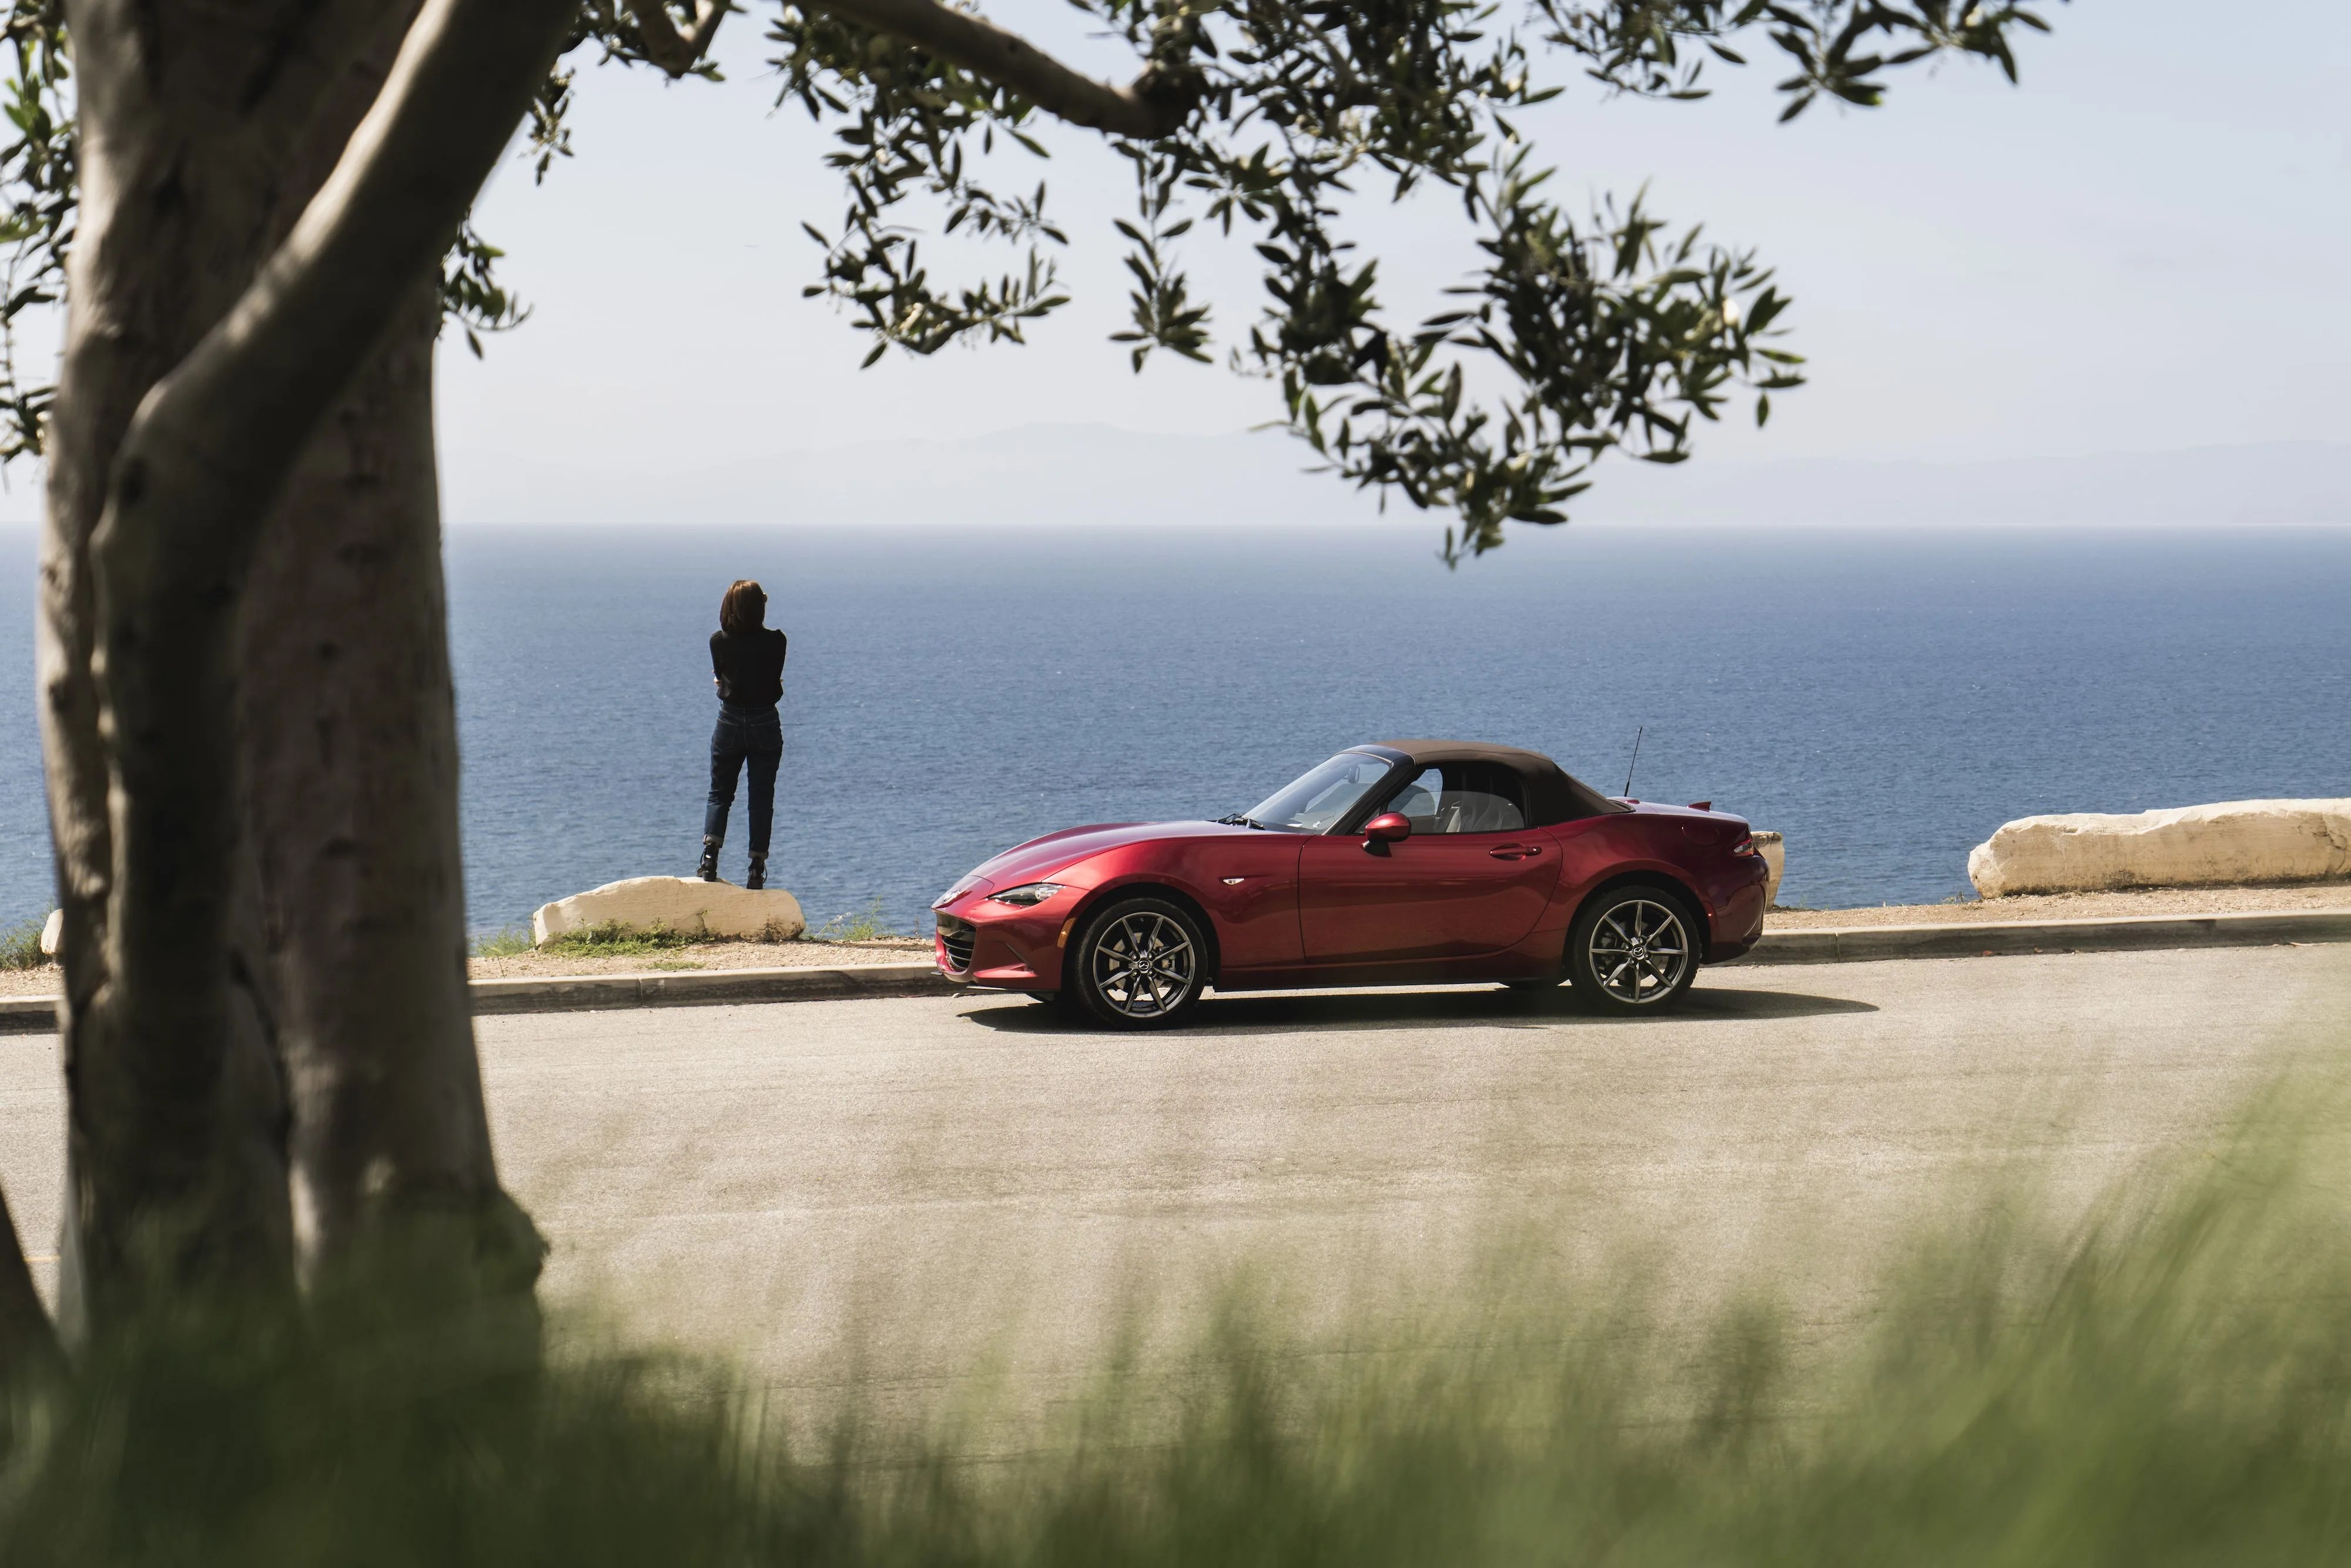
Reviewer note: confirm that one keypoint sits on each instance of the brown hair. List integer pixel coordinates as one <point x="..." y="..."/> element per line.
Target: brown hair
<point x="744" y="609"/>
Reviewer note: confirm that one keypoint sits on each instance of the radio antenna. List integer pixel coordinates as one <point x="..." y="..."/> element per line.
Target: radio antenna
<point x="1637" y="733"/>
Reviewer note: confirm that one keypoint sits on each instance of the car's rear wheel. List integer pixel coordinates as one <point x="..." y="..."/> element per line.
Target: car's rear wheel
<point x="1634" y="950"/>
<point x="1140" y="964"/>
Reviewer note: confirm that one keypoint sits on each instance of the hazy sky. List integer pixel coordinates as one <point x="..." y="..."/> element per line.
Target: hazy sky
<point x="2140" y="248"/>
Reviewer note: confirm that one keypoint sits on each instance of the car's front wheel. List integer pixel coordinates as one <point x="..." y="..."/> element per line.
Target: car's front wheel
<point x="1634" y="950"/>
<point x="1140" y="964"/>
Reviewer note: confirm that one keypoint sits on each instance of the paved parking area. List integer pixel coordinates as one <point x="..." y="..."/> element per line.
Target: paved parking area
<point x="895" y="1191"/>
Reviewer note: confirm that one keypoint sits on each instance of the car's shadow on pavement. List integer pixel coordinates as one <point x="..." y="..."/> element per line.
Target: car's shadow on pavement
<point x="1424" y="1009"/>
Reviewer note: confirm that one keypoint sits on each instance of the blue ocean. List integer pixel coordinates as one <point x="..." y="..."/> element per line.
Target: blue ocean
<point x="1885" y="699"/>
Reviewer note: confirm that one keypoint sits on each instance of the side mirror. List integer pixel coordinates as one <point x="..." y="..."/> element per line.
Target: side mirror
<point x="1388" y="828"/>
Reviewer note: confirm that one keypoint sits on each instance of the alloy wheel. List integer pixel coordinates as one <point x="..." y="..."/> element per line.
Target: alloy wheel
<point x="1143" y="965"/>
<point x="1639" y="951"/>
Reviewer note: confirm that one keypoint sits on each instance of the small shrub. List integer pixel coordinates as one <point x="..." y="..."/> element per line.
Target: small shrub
<point x="868" y="925"/>
<point x="507" y="942"/>
<point x="614" y="940"/>
<point x="20" y="945"/>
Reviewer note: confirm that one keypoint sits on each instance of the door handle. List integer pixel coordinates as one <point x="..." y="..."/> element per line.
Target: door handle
<point x="1514" y="852"/>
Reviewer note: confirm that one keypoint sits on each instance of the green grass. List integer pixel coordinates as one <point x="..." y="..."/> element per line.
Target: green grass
<point x="505" y="943"/>
<point x="610" y="940"/>
<point x="868" y="925"/>
<point x="2167" y="1384"/>
<point x="614" y="940"/>
<point x="20" y="945"/>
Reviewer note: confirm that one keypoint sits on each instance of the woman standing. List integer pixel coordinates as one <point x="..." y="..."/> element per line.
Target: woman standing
<point x="747" y="661"/>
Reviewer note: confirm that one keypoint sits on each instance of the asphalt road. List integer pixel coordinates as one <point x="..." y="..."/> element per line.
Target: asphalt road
<point x="891" y="1193"/>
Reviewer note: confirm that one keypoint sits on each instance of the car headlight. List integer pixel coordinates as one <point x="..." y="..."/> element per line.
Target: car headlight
<point x="1026" y="894"/>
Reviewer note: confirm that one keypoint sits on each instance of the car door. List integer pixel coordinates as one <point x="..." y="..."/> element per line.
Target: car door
<point x="1472" y="879"/>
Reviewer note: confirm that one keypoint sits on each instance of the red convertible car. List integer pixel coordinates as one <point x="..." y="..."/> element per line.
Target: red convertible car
<point x="1410" y="861"/>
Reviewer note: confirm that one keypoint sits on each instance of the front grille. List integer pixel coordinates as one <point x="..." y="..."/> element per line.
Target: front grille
<point x="957" y="937"/>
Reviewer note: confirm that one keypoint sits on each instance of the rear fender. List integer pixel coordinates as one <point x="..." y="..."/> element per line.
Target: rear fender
<point x="1650" y="874"/>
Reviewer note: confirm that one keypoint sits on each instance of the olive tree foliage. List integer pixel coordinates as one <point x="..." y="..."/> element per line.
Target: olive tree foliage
<point x="264" y="920"/>
<point x="1260" y="120"/>
<point x="1609" y="329"/>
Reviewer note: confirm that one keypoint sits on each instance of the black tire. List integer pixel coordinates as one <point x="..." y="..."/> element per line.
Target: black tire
<point x="1142" y="963"/>
<point x="1635" y="949"/>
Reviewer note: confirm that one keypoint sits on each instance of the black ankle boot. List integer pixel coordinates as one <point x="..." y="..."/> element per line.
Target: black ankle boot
<point x="758" y="877"/>
<point x="708" y="869"/>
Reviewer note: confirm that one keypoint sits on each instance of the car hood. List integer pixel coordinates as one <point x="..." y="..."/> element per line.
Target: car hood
<point x="1040" y="857"/>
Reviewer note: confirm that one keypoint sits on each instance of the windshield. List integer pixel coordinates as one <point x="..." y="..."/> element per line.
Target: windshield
<point x="1317" y="802"/>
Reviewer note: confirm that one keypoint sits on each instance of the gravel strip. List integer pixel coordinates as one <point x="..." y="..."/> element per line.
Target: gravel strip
<point x="46" y="981"/>
<point x="707" y="956"/>
<point x="2295" y="899"/>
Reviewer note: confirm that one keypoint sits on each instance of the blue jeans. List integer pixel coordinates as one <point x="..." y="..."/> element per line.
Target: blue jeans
<point x="745" y="735"/>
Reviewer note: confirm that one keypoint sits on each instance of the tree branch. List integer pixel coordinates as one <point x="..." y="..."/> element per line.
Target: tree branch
<point x="1155" y="105"/>
<point x="674" y="52"/>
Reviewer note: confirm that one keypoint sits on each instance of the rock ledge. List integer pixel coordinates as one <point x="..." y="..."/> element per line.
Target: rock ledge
<point x="674" y="904"/>
<point x="2232" y="844"/>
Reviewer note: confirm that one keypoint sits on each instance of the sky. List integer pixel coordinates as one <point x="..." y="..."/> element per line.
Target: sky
<point x="2138" y="249"/>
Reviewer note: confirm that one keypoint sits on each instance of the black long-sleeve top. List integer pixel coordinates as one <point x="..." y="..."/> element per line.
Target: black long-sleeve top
<point x="749" y="666"/>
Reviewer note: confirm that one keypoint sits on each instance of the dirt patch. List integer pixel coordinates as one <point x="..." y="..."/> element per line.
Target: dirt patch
<point x="46" y="981"/>
<point x="2075" y="907"/>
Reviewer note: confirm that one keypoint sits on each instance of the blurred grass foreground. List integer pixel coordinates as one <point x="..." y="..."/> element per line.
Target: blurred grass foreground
<point x="2164" y="1381"/>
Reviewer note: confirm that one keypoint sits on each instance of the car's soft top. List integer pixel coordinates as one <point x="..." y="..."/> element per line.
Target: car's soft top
<point x="1553" y="794"/>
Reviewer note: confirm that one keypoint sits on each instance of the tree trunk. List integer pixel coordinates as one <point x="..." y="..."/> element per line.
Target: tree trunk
<point x="350" y="758"/>
<point x="188" y="1139"/>
<point x="28" y="1348"/>
<point x="248" y="712"/>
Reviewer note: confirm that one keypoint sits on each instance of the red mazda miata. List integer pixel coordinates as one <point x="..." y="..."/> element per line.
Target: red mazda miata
<point x="1411" y="861"/>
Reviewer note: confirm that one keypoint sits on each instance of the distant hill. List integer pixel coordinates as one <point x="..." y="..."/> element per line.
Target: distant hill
<point x="1036" y="473"/>
<point x="2285" y="484"/>
<point x="1095" y="474"/>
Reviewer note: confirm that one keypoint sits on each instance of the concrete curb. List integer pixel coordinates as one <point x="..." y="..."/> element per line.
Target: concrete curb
<point x="1842" y="944"/>
<point x="2127" y="934"/>
<point x="590" y="993"/>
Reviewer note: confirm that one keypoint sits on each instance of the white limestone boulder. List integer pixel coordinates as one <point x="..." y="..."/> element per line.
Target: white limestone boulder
<point x="674" y="904"/>
<point x="2230" y="843"/>
<point x="1774" y="851"/>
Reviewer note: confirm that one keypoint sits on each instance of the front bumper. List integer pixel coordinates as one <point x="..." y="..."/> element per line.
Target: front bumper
<point x="1002" y="947"/>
